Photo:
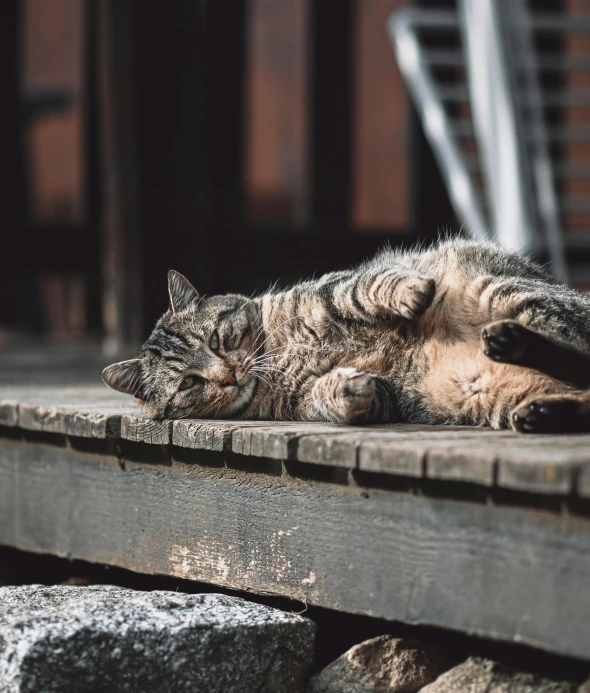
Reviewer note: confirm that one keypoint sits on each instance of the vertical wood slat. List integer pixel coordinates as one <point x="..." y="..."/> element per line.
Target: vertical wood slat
<point x="224" y="135"/>
<point x="170" y="104"/>
<point x="11" y="145"/>
<point x="331" y="44"/>
<point x="119" y="222"/>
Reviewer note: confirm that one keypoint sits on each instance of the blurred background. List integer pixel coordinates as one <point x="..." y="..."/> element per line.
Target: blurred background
<point x="245" y="141"/>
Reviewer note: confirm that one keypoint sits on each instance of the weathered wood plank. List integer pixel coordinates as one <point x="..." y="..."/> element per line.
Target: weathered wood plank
<point x="435" y="453"/>
<point x="340" y="448"/>
<point x="516" y="574"/>
<point x="274" y="439"/>
<point x="203" y="435"/>
<point x="89" y="412"/>
<point x="87" y="424"/>
<point x="278" y="440"/>
<point x="141" y="430"/>
<point x="583" y="481"/>
<point x="65" y="403"/>
<point x="336" y="449"/>
<point x="543" y="464"/>
<point x="214" y="434"/>
<point x="8" y="413"/>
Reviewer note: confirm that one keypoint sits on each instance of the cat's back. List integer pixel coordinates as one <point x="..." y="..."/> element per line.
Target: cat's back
<point x="462" y="260"/>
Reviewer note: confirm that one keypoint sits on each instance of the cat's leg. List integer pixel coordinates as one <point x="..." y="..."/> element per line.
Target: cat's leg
<point x="551" y="309"/>
<point x="509" y="341"/>
<point x="374" y="293"/>
<point x="349" y="396"/>
<point x="543" y="411"/>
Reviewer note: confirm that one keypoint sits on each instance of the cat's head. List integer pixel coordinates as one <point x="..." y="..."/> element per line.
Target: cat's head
<point x="197" y="361"/>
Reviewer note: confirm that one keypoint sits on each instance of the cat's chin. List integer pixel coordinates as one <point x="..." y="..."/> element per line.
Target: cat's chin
<point x="241" y="402"/>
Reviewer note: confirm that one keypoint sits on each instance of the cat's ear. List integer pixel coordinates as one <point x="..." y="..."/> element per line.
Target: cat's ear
<point x="182" y="293"/>
<point x="124" y="376"/>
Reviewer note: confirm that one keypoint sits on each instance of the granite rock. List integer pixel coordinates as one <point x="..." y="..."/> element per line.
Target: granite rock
<point x="478" y="675"/>
<point x="71" y="639"/>
<point x="380" y="665"/>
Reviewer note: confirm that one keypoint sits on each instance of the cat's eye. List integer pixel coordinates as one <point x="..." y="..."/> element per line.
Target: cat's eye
<point x="214" y="341"/>
<point x="187" y="382"/>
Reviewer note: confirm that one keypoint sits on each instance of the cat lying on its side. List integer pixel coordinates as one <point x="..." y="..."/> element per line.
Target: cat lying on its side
<point x="463" y="333"/>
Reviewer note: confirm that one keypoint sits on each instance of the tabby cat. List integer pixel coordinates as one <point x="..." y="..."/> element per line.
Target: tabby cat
<point x="462" y="333"/>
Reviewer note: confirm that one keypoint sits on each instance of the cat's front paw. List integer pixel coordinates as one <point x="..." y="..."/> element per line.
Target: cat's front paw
<point x="347" y="393"/>
<point x="413" y="296"/>
<point x="409" y="297"/>
<point x="504" y="341"/>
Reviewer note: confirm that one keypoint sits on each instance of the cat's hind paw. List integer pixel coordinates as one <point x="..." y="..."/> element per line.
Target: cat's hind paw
<point x="504" y="341"/>
<point x="551" y="414"/>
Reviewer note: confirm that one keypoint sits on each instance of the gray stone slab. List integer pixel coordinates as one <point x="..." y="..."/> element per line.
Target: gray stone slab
<point x="63" y="639"/>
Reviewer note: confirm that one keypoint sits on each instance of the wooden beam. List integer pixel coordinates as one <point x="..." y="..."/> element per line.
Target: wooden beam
<point x="517" y="574"/>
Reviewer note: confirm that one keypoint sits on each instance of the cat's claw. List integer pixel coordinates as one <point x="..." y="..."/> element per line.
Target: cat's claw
<point x="503" y="341"/>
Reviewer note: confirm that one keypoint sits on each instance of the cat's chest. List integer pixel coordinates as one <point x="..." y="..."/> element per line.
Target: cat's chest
<point x="456" y="312"/>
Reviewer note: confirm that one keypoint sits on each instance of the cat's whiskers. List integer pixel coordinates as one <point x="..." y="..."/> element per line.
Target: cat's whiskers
<point x="271" y="359"/>
<point x="292" y="345"/>
<point x="265" y="368"/>
<point x="295" y="345"/>
<point x="294" y="317"/>
<point x="285" y="372"/>
<point x="260" y="376"/>
<point x="277" y="352"/>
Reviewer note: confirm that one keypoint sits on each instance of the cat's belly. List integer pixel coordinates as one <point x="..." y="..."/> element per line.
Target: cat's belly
<point x="454" y="382"/>
<point x="459" y="310"/>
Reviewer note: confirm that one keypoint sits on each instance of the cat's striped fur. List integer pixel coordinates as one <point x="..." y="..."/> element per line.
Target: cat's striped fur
<point x="427" y="336"/>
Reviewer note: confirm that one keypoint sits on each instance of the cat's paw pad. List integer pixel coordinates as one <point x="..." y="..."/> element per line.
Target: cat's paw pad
<point x="554" y="414"/>
<point x="504" y="341"/>
<point x="414" y="296"/>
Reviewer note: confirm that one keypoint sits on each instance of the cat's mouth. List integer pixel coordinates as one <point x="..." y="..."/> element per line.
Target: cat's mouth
<point x="246" y="387"/>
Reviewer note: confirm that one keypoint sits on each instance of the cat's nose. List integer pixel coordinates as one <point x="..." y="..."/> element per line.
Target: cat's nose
<point x="230" y="378"/>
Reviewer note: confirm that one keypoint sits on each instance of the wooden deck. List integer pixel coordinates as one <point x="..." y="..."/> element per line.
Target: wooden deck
<point x="473" y="530"/>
